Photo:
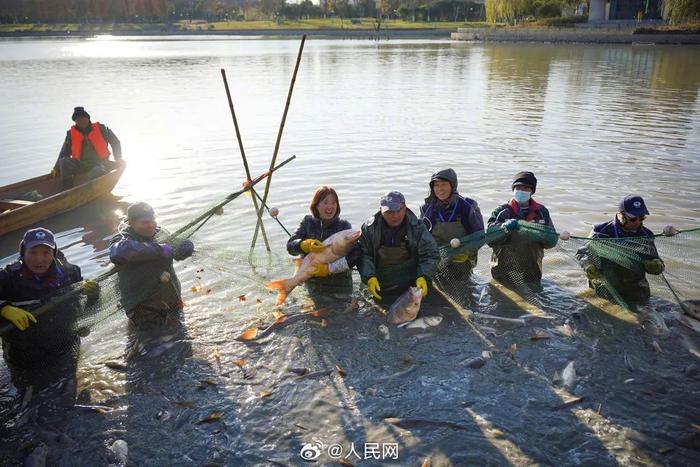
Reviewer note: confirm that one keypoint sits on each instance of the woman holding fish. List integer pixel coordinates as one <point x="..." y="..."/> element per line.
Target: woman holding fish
<point x="321" y="224"/>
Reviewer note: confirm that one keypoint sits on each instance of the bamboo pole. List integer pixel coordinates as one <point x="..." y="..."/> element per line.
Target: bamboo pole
<point x="277" y="143"/>
<point x="258" y="212"/>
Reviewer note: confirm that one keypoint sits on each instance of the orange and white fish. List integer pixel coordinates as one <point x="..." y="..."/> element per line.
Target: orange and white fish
<point x="336" y="246"/>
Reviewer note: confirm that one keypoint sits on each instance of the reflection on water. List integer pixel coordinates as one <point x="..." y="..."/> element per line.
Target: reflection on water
<point x="593" y="122"/>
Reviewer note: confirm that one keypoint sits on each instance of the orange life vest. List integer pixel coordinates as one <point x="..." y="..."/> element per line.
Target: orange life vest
<point x="532" y="213"/>
<point x="96" y="139"/>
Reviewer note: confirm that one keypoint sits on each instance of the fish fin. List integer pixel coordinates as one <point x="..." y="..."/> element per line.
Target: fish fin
<point x="281" y="287"/>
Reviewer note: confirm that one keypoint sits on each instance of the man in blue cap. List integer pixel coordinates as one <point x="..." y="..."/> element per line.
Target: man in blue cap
<point x="148" y="283"/>
<point x="85" y="149"/>
<point x="397" y="250"/>
<point x="640" y="256"/>
<point x="39" y="350"/>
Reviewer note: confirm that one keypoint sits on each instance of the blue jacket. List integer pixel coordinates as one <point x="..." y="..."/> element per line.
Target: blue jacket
<point x="631" y="284"/>
<point x="54" y="333"/>
<point x="142" y="262"/>
<point x="467" y="212"/>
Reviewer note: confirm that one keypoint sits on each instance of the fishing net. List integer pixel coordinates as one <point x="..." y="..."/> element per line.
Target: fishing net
<point x="514" y="279"/>
<point x="143" y="289"/>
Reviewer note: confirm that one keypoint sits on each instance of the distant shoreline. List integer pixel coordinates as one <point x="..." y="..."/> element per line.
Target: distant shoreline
<point x="330" y="32"/>
<point x="501" y="34"/>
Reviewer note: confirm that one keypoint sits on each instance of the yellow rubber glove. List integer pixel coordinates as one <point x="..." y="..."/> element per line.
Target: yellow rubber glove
<point x="17" y="316"/>
<point x="654" y="266"/>
<point x="462" y="257"/>
<point x="311" y="245"/>
<point x="320" y="270"/>
<point x="373" y="286"/>
<point x="54" y="173"/>
<point x="91" y="288"/>
<point x="422" y="284"/>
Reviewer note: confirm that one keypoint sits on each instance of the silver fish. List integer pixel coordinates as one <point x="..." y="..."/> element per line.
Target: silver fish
<point x="422" y="323"/>
<point x="406" y="307"/>
<point x="568" y="375"/>
<point x="336" y="246"/>
<point x="691" y="308"/>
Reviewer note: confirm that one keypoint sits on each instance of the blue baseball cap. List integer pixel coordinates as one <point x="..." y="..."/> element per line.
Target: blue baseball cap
<point x="392" y="201"/>
<point x="633" y="206"/>
<point x="36" y="237"/>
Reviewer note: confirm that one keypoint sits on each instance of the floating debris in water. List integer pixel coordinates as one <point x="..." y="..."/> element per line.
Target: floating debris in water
<point x="94" y="408"/>
<point x="474" y="362"/>
<point x="569" y="402"/>
<point x="539" y="333"/>
<point x="163" y="415"/>
<point x="241" y="298"/>
<point x="265" y="394"/>
<point x="239" y="362"/>
<point x="564" y="330"/>
<point x="384" y="331"/>
<point x="212" y="417"/>
<point x="248" y="335"/>
<point x="656" y="346"/>
<point x="185" y="404"/>
<point x="409" y="423"/>
<point x="340" y="371"/>
<point x="299" y="371"/>
<point x="115" y="365"/>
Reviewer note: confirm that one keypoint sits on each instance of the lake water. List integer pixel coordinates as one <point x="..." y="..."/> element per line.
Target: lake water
<point x="594" y="122"/>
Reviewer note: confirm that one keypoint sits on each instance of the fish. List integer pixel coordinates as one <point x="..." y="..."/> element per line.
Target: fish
<point x="384" y="331"/>
<point x="121" y="450"/>
<point x="691" y="308"/>
<point x="422" y="323"/>
<point x="568" y="375"/>
<point x="336" y="246"/>
<point x="406" y="307"/>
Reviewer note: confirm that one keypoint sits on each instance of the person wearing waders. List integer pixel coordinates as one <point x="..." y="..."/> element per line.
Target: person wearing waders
<point x="323" y="222"/>
<point x="43" y="350"/>
<point x="150" y="289"/>
<point x="603" y="271"/>
<point x="85" y="150"/>
<point x="448" y="215"/>
<point x="398" y="252"/>
<point x="517" y="254"/>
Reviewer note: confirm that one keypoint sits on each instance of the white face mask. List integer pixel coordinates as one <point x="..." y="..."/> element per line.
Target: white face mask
<point x="521" y="196"/>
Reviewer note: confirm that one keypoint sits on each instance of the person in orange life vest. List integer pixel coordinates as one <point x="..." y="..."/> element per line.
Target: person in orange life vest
<point x="517" y="257"/>
<point x="85" y="150"/>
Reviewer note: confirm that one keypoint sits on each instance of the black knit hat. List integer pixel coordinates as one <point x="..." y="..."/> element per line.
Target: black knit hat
<point x="525" y="178"/>
<point x="79" y="112"/>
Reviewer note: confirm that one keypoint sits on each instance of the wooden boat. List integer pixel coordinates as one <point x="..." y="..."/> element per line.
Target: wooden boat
<point x="16" y="211"/>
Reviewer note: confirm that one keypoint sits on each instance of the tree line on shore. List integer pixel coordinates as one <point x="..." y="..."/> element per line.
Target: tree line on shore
<point x="166" y="11"/>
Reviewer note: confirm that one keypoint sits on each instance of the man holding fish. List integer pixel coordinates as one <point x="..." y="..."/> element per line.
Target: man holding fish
<point x="398" y="251"/>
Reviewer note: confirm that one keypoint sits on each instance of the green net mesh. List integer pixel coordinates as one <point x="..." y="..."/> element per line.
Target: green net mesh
<point x="535" y="272"/>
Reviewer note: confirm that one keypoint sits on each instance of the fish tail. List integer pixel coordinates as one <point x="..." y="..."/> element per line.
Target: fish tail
<point x="282" y="289"/>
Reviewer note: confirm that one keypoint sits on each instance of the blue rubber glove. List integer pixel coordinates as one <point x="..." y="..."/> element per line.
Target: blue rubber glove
<point x="510" y="225"/>
<point x="184" y="250"/>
